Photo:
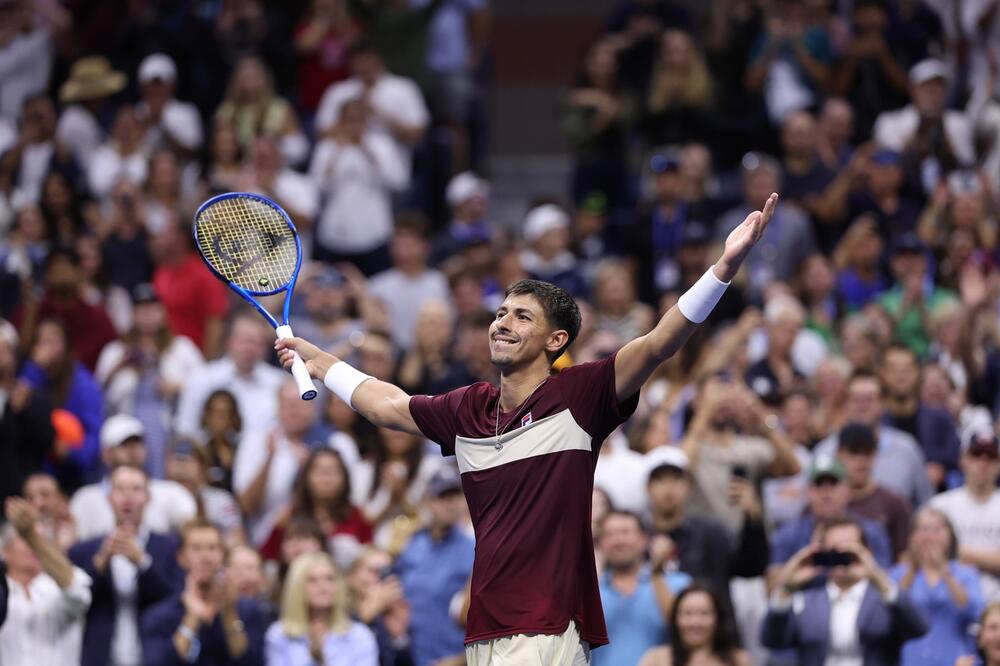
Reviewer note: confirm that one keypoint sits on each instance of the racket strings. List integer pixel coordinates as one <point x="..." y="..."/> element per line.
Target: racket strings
<point x="247" y="242"/>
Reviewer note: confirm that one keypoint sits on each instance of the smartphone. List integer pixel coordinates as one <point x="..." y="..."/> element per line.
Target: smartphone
<point x="740" y="472"/>
<point x="384" y="573"/>
<point x="832" y="558"/>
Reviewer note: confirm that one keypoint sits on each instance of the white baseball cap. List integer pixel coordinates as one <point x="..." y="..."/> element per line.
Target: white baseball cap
<point x="157" y="66"/>
<point x="119" y="428"/>
<point x="666" y="456"/>
<point x="8" y="333"/>
<point x="928" y="70"/>
<point x="465" y="186"/>
<point x="543" y="219"/>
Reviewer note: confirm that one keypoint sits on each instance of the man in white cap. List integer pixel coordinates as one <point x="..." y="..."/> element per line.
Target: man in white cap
<point x="468" y="197"/>
<point x="547" y="256"/>
<point x="123" y="443"/>
<point x="928" y="93"/>
<point x="170" y="123"/>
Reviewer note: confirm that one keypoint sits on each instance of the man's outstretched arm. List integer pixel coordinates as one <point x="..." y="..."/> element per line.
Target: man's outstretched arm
<point x="384" y="404"/>
<point x="637" y="360"/>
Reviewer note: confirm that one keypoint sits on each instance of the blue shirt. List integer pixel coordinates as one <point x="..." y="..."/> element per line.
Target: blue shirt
<point x="355" y="647"/>
<point x="635" y="622"/>
<point x="432" y="572"/>
<point x="948" y="636"/>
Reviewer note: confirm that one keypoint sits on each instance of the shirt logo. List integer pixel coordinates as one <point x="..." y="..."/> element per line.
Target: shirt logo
<point x="526" y="419"/>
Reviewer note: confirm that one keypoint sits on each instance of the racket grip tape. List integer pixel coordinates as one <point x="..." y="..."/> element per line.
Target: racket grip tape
<point x="307" y="390"/>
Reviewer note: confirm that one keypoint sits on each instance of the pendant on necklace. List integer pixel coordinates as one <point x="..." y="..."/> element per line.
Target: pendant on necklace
<point x="498" y="445"/>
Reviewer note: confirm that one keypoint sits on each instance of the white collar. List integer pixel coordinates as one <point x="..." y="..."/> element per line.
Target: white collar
<point x="855" y="593"/>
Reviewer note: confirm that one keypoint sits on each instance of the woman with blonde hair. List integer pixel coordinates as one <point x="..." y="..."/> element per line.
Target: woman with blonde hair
<point x="680" y="92"/>
<point x="315" y="625"/>
<point x="252" y="108"/>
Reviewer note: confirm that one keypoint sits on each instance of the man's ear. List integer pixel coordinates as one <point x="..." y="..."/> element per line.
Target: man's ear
<point x="557" y="340"/>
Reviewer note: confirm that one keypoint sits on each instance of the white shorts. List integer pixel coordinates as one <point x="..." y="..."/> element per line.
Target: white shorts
<point x="565" y="649"/>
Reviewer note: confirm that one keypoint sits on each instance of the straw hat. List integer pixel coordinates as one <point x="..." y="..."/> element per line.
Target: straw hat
<point x="91" y="78"/>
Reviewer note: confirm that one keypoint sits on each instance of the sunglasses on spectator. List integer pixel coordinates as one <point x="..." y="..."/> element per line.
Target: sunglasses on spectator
<point x="988" y="451"/>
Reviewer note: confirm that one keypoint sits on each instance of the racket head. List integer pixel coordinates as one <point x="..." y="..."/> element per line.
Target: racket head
<point x="248" y="241"/>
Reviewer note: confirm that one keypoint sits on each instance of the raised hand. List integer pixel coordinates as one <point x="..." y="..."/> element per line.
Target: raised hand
<point x="317" y="361"/>
<point x="742" y="239"/>
<point x="21" y="515"/>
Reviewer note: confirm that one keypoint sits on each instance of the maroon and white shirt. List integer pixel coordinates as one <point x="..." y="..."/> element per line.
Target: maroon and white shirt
<point x="530" y="499"/>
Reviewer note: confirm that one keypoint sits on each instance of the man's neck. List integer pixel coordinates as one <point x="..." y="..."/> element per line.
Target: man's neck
<point x="625" y="578"/>
<point x="516" y="386"/>
<point x="980" y="492"/>
<point x="846" y="585"/>
<point x="667" y="522"/>
<point x="439" y="532"/>
<point x="22" y="578"/>
<point x="901" y="406"/>
<point x="859" y="493"/>
<point x="412" y="270"/>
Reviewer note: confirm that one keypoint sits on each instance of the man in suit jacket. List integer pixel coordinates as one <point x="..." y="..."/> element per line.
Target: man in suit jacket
<point x="859" y="617"/>
<point x="132" y="569"/>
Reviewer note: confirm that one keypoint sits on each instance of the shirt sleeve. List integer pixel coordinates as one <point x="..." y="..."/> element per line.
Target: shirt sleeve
<point x="592" y="398"/>
<point x="76" y="595"/>
<point x="437" y="416"/>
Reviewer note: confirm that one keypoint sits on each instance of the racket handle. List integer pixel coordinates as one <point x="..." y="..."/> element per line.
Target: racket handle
<point x="302" y="379"/>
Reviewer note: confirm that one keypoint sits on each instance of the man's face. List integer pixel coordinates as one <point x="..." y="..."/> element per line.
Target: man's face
<point x="981" y="468"/>
<point x="295" y="414"/>
<point x="247" y="344"/>
<point x="21" y="560"/>
<point x="131" y="452"/>
<point x="929" y="97"/>
<point x="758" y="186"/>
<point x="246" y="571"/>
<point x="408" y="249"/>
<point x="667" y="186"/>
<point x="828" y="498"/>
<point x="668" y="492"/>
<point x="128" y="496"/>
<point x="622" y="541"/>
<point x="901" y="373"/>
<point x="367" y="67"/>
<point x="864" y="401"/>
<point x="446" y="510"/>
<point x="843" y="538"/>
<point x="185" y="470"/>
<point x="62" y="279"/>
<point x="377" y="357"/>
<point x="908" y="264"/>
<point x="798" y="136"/>
<point x="293" y="547"/>
<point x="202" y="554"/>
<point x="368" y="571"/>
<point x="884" y="179"/>
<point x="43" y="494"/>
<point x="520" y="331"/>
<point x="858" y="467"/>
<point x="796" y="417"/>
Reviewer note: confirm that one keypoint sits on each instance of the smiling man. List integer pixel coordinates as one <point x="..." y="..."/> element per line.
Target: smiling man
<point x="527" y="451"/>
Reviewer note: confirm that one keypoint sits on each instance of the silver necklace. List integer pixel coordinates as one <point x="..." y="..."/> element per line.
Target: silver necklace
<point x="496" y="429"/>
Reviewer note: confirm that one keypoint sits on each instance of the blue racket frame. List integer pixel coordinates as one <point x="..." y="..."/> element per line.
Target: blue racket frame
<point x="248" y="295"/>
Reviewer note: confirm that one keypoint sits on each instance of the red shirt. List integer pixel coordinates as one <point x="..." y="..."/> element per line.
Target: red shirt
<point x="530" y="500"/>
<point x="323" y="67"/>
<point x="88" y="326"/>
<point x="356" y="526"/>
<point x="191" y="295"/>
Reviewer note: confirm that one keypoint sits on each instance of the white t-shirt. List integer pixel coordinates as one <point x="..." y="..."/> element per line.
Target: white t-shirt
<point x="977" y="525"/>
<point x="44" y="625"/>
<point x="394" y="98"/>
<point x="621" y="473"/>
<point x="250" y="457"/>
<point x="182" y="359"/>
<point x="107" y="166"/>
<point x="256" y="395"/>
<point x="403" y="297"/>
<point x="79" y="130"/>
<point x="357" y="182"/>
<point x="25" y="64"/>
<point x="170" y="506"/>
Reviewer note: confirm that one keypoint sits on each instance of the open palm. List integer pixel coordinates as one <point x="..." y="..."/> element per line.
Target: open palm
<point x="745" y="236"/>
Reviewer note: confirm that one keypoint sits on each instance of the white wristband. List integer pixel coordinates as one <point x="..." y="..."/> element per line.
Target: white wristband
<point x="698" y="302"/>
<point x="343" y="379"/>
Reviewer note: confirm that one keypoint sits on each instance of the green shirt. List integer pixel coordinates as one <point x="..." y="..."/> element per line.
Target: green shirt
<point x="910" y="329"/>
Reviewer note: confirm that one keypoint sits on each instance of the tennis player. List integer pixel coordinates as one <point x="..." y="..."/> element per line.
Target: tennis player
<point x="527" y="452"/>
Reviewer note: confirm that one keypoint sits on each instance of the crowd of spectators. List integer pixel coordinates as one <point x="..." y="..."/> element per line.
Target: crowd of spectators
<point x="812" y="479"/>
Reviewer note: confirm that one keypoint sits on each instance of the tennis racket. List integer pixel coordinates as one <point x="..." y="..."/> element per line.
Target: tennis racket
<point x="250" y="243"/>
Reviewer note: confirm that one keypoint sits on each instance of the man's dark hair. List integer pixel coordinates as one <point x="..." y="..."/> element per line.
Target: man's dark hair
<point x="612" y="513"/>
<point x="863" y="374"/>
<point x="559" y="307"/>
<point x="842" y="521"/>
<point x="899" y="348"/>
<point x="858" y="438"/>
<point x="411" y="222"/>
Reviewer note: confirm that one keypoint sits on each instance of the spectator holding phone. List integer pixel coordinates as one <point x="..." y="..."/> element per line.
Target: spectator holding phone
<point x="945" y="591"/>
<point x="859" y="616"/>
